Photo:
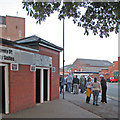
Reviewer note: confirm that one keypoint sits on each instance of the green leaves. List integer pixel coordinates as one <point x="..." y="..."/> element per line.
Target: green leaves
<point x="99" y="17"/>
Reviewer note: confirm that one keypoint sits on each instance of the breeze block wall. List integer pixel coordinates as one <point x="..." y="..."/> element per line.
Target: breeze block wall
<point x="54" y="76"/>
<point x="21" y="88"/>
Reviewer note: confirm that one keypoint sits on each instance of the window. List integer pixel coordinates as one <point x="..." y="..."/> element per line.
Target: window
<point x="32" y="68"/>
<point x="14" y="66"/>
<point x="3" y="20"/>
<point x="20" y="33"/>
<point x="53" y="69"/>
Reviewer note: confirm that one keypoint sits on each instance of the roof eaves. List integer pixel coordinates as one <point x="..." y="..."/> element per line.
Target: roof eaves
<point x="24" y="40"/>
<point x="50" y="47"/>
<point x="41" y="42"/>
<point x="14" y="44"/>
<point x="50" y="44"/>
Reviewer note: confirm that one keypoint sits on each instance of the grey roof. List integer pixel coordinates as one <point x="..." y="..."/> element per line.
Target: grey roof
<point x="68" y="66"/>
<point x="93" y="62"/>
<point x="28" y="39"/>
<point x="12" y="43"/>
<point x="35" y="39"/>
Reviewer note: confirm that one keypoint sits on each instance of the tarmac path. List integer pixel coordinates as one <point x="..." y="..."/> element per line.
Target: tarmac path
<point x="53" y="109"/>
<point x="109" y="110"/>
<point x="113" y="91"/>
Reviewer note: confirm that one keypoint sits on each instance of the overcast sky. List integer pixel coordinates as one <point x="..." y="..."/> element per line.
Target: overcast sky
<point x="77" y="45"/>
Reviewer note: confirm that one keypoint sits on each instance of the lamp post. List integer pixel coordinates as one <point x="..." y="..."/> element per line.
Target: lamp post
<point x="63" y="58"/>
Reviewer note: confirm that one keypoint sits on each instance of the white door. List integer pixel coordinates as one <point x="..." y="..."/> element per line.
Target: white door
<point x="42" y="84"/>
<point x="6" y="89"/>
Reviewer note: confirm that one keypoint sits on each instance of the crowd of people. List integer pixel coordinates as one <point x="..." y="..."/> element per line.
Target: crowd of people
<point x="85" y="85"/>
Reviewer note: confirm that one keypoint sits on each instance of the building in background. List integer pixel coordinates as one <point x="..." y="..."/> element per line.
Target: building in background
<point x="112" y="71"/>
<point x="88" y="65"/>
<point x="94" y="68"/>
<point x="12" y="28"/>
<point x="91" y="65"/>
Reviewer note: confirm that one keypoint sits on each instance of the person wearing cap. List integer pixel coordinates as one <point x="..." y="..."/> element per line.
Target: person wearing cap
<point x="104" y="89"/>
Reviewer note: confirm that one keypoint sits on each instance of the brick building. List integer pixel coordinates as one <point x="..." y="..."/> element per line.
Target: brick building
<point x="87" y="65"/>
<point x="12" y="28"/>
<point x="30" y="73"/>
<point x="112" y="71"/>
<point x="119" y="66"/>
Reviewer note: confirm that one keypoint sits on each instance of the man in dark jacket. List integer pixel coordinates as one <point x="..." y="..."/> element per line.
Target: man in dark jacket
<point x="104" y="89"/>
<point x="75" y="85"/>
<point x="61" y="84"/>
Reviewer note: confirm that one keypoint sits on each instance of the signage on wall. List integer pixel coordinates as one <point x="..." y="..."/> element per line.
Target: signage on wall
<point x="6" y="54"/>
<point x="11" y="55"/>
<point x="53" y="69"/>
<point x="32" y="68"/>
<point x="14" y="67"/>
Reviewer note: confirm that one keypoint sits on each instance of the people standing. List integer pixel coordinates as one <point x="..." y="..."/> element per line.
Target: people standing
<point x="96" y="89"/>
<point x="69" y="80"/>
<point x="75" y="85"/>
<point x="104" y="89"/>
<point x="88" y="90"/>
<point x="82" y="84"/>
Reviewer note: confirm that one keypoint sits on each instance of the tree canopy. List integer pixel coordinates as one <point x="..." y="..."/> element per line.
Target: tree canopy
<point x="99" y="17"/>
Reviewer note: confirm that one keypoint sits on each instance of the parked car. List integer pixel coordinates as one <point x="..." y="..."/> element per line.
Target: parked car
<point x="112" y="79"/>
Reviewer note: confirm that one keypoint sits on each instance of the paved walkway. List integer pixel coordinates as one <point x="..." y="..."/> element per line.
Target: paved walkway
<point x="54" y="109"/>
<point x="109" y="110"/>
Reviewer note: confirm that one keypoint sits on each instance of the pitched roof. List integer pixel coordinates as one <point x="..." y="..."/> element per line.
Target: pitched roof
<point x="14" y="44"/>
<point x="93" y="62"/>
<point x="35" y="39"/>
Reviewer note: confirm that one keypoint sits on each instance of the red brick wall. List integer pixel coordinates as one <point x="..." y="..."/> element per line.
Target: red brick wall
<point x="113" y="68"/>
<point x="111" y="71"/>
<point x="115" y="65"/>
<point x="119" y="67"/>
<point x="13" y="25"/>
<point x="54" y="75"/>
<point x="21" y="88"/>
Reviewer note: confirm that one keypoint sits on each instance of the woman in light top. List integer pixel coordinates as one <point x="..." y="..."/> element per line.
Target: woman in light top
<point x="96" y="88"/>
